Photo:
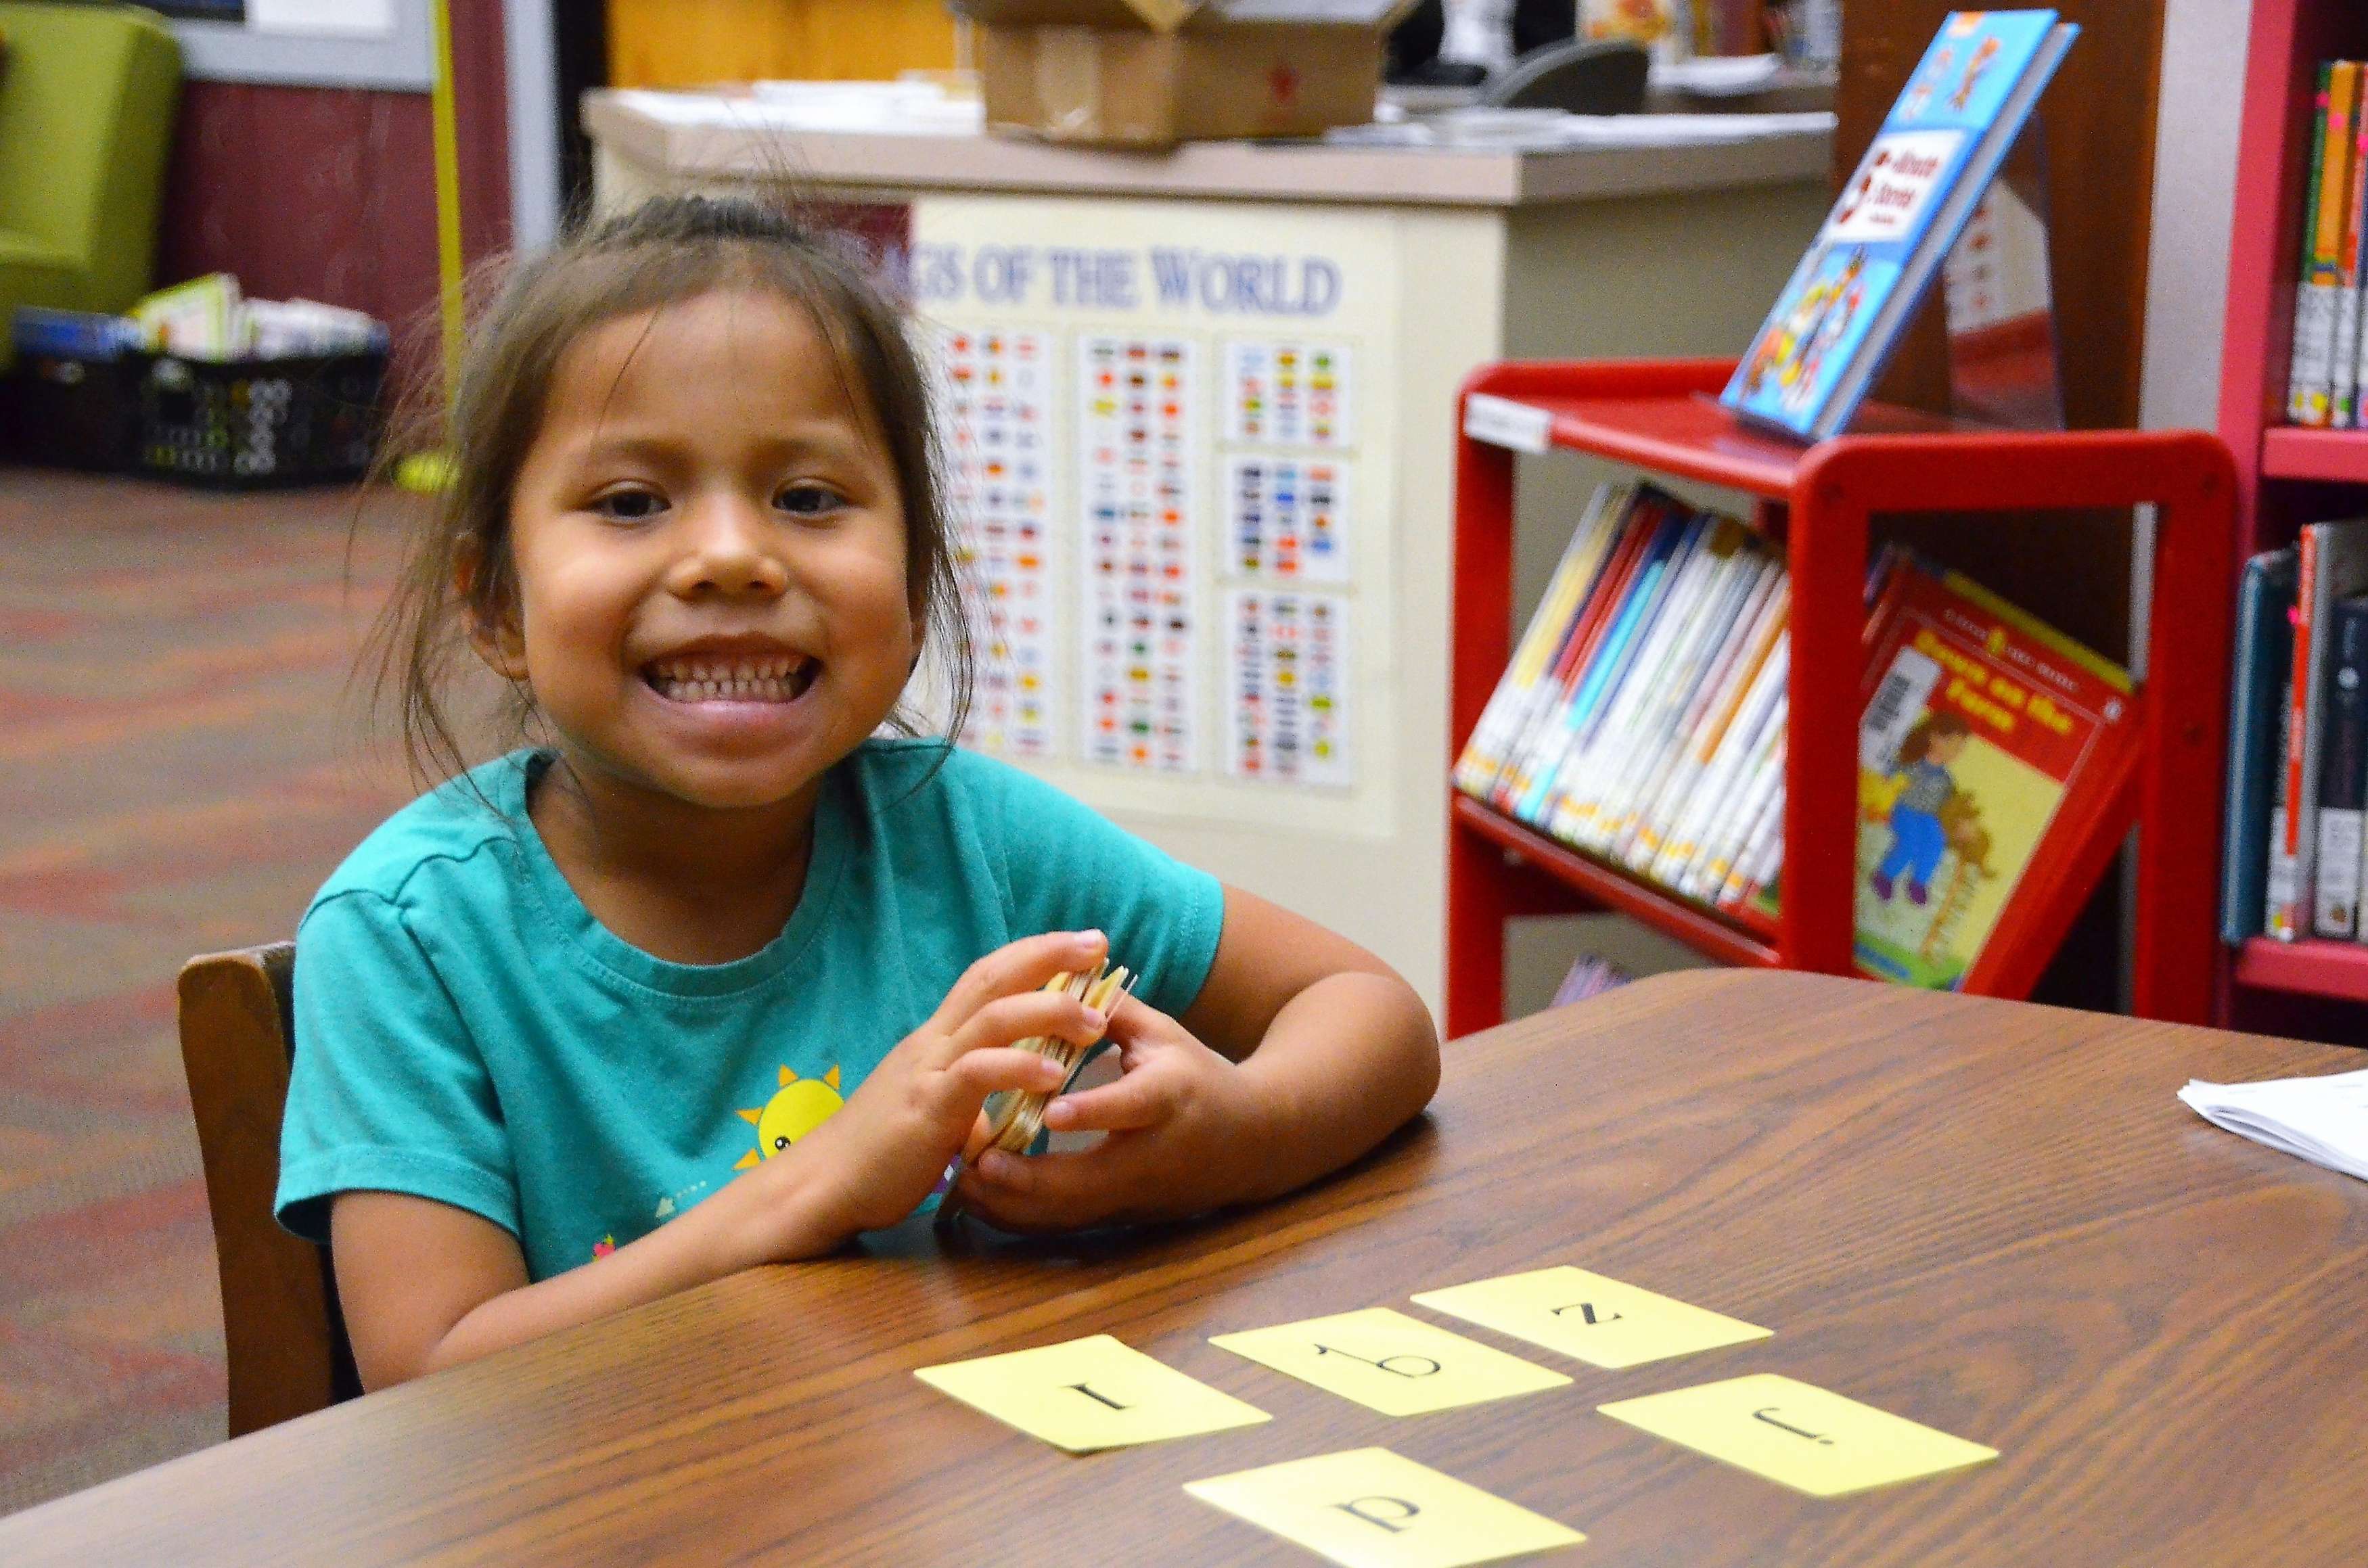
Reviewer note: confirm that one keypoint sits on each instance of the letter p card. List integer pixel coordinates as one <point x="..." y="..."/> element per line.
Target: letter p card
<point x="1370" y="1509"/>
<point x="1090" y="1394"/>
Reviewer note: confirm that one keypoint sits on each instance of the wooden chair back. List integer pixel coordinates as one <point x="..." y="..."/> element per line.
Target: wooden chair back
<point x="284" y="1337"/>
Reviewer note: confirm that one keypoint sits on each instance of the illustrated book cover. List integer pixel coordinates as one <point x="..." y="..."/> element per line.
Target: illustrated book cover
<point x="1986" y="735"/>
<point x="1851" y="297"/>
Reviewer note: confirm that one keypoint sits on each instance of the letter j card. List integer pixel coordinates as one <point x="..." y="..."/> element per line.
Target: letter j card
<point x="1370" y="1509"/>
<point x="1807" y="1438"/>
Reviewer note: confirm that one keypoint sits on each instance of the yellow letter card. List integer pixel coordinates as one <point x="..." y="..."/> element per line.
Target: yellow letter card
<point x="1600" y="1320"/>
<point x="1398" y="1365"/>
<point x="1090" y="1394"/>
<point x="1798" y="1434"/>
<point x="1369" y="1508"/>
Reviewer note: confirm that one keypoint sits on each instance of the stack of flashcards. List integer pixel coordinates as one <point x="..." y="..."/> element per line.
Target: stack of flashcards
<point x="1014" y="1118"/>
<point x="1369" y="1507"/>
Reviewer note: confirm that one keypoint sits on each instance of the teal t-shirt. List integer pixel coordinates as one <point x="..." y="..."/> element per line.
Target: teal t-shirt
<point x="467" y="1031"/>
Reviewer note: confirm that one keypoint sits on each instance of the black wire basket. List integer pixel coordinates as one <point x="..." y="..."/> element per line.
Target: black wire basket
<point x="259" y="424"/>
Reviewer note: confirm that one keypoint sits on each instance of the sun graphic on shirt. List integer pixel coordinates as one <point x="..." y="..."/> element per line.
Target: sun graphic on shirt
<point x="797" y="1108"/>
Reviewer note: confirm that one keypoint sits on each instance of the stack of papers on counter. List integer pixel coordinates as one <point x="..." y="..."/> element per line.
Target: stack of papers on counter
<point x="2324" y="1120"/>
<point x="1547" y="129"/>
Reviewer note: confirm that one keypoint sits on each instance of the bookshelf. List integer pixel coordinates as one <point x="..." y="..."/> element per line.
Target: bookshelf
<point x="2285" y="476"/>
<point x="1662" y="417"/>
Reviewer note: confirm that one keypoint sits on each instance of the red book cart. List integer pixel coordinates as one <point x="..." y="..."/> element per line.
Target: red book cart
<point x="1662" y="417"/>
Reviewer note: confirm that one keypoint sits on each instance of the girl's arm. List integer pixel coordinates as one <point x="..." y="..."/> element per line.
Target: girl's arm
<point x="1302" y="1051"/>
<point x="425" y="1285"/>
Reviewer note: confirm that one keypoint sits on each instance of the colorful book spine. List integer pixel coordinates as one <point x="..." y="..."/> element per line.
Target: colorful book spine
<point x="1711" y="790"/>
<point x="1659" y="827"/>
<point x="1578" y="792"/>
<point x="1506" y="713"/>
<point x="1637" y="660"/>
<point x="2264" y="666"/>
<point x="2343" y="402"/>
<point x="1529" y="752"/>
<point x="2310" y="377"/>
<point x="1763" y="855"/>
<point x="1608" y="661"/>
<point x="1762" y="775"/>
<point x="2292" y="853"/>
<point x="2343" y="773"/>
<point x="1640" y="796"/>
<point x="1668" y="725"/>
<point x="2332" y="564"/>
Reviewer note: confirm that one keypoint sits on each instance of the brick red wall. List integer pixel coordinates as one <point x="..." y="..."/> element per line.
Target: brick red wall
<point x="330" y="193"/>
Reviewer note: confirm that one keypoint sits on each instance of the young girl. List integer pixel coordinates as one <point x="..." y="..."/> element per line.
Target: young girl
<point x="718" y="976"/>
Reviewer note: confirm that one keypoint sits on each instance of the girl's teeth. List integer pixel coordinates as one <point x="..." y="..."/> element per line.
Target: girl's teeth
<point x="760" y="680"/>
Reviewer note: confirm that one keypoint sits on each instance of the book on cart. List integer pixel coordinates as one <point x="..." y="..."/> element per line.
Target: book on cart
<point x="1989" y="747"/>
<point x="2260" y="693"/>
<point x="1642" y="720"/>
<point x="2318" y="292"/>
<point x="2331" y="564"/>
<point x="2327" y="364"/>
<point x="2294" y="841"/>
<point x="1850" y="298"/>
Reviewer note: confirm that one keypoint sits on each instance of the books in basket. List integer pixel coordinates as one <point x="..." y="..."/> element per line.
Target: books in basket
<point x="1845" y="305"/>
<point x="1642" y="719"/>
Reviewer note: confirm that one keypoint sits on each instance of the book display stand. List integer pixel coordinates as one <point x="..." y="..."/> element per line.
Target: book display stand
<point x="2000" y="301"/>
<point x="1817" y="501"/>
<point x="2286" y="475"/>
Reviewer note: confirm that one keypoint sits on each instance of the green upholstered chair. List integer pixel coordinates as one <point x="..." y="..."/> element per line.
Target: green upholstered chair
<point x="86" y="101"/>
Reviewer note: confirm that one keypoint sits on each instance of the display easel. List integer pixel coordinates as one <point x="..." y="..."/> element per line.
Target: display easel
<point x="2000" y="297"/>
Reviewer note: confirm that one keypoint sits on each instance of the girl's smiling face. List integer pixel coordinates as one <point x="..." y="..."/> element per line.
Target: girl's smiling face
<point x="711" y="596"/>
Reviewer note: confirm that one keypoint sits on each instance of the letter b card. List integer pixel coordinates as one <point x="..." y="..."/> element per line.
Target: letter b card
<point x="1390" y="1362"/>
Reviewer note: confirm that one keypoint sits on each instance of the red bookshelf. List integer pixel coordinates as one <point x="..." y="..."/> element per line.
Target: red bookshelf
<point x="2337" y="456"/>
<point x="2285" y="476"/>
<point x="1663" y="416"/>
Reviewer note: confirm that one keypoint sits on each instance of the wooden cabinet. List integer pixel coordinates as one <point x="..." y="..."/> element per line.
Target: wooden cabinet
<point x="683" y="43"/>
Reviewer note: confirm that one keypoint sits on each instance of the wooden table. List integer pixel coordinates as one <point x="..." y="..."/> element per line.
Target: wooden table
<point x="1990" y="1218"/>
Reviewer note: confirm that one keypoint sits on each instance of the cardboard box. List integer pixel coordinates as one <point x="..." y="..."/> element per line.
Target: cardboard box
<point x="1154" y="73"/>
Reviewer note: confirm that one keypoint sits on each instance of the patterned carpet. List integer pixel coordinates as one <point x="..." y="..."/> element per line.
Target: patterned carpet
<point x="180" y="766"/>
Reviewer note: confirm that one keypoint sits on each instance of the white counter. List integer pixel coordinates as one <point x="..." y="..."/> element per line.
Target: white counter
<point x="714" y="137"/>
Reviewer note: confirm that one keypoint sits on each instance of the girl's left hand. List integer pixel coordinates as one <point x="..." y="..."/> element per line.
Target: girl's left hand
<point x="1184" y="1137"/>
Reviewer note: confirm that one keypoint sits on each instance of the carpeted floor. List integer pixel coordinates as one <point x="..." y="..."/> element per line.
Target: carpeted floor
<point x="180" y="767"/>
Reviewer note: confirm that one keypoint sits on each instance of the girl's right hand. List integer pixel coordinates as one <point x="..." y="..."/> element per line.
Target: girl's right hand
<point x="879" y="1155"/>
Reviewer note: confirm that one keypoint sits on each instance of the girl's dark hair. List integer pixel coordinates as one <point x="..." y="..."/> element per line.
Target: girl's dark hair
<point x="668" y="250"/>
<point x="1931" y="727"/>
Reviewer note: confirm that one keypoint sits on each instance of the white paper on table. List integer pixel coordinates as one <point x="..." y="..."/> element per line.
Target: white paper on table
<point x="2323" y="1119"/>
